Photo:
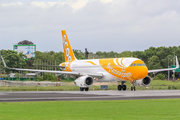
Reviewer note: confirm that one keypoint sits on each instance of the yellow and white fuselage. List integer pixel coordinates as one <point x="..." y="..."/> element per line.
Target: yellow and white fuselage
<point x="113" y="69"/>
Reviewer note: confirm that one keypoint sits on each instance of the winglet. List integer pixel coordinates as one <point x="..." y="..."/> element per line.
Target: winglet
<point x="4" y="62"/>
<point x="177" y="63"/>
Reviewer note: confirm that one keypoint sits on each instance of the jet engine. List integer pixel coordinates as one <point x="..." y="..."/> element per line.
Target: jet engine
<point x="143" y="82"/>
<point x="84" y="81"/>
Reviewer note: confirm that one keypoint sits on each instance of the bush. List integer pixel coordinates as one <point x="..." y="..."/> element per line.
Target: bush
<point x="159" y="76"/>
<point x="2" y="76"/>
<point x="47" y="76"/>
<point x="50" y="77"/>
<point x="17" y="75"/>
<point x="40" y="78"/>
<point x="172" y="87"/>
<point x="17" y="79"/>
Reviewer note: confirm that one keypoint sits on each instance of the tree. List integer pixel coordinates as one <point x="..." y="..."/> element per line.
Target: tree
<point x="154" y="63"/>
<point x="159" y="76"/>
<point x="13" y="60"/>
<point x="125" y="54"/>
<point x="79" y="54"/>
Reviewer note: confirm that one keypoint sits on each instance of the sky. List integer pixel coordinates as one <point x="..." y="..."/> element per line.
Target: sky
<point x="98" y="25"/>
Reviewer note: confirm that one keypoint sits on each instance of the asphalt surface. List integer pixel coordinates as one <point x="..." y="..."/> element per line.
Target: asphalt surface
<point x="90" y="95"/>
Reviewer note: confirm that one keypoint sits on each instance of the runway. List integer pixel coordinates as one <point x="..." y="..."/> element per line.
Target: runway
<point x="90" y="95"/>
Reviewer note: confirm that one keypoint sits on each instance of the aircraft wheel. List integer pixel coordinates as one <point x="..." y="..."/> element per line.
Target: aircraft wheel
<point x="86" y="89"/>
<point x="124" y="87"/>
<point x="119" y="87"/>
<point x="81" y="89"/>
<point x="133" y="88"/>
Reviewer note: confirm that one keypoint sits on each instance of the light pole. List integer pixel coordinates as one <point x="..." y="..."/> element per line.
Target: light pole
<point x="174" y="64"/>
<point x="168" y="67"/>
<point x="21" y="66"/>
<point x="169" y="62"/>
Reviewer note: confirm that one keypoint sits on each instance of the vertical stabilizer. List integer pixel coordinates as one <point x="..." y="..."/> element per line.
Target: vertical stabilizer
<point x="68" y="52"/>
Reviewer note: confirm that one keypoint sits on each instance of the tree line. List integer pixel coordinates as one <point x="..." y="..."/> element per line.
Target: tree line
<point x="154" y="58"/>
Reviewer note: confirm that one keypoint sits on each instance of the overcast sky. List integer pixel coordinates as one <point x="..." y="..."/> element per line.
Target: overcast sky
<point x="99" y="25"/>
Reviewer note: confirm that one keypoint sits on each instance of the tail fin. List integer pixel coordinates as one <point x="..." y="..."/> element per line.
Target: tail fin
<point x="68" y="52"/>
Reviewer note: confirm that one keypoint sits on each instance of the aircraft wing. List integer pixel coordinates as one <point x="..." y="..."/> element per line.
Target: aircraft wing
<point x="51" y="71"/>
<point x="166" y="69"/>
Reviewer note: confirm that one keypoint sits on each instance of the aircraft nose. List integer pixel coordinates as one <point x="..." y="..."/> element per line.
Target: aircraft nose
<point x="143" y="72"/>
<point x="140" y="69"/>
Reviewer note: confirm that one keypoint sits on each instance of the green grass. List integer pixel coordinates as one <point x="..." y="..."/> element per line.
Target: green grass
<point x="155" y="85"/>
<point x="166" y="109"/>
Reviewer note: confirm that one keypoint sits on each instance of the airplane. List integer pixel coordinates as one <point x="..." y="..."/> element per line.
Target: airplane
<point x="89" y="71"/>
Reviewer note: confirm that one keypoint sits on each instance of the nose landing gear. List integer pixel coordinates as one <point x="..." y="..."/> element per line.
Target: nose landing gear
<point x="133" y="88"/>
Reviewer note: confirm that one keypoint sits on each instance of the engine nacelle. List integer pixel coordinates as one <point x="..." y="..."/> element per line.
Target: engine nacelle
<point x="84" y="81"/>
<point x="143" y="82"/>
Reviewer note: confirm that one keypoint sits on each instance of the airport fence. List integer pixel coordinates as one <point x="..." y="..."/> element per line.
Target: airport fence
<point x="18" y="79"/>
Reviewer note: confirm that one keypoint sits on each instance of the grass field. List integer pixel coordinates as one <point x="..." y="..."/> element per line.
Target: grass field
<point x="155" y="85"/>
<point x="166" y="109"/>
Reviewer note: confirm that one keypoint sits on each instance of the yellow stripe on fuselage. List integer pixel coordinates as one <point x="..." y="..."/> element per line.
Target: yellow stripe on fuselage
<point x="91" y="62"/>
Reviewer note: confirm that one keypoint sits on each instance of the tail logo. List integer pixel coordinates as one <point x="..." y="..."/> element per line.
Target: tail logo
<point x="66" y="47"/>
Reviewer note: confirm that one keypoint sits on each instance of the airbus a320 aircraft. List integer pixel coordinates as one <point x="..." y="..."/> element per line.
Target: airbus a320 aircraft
<point x="89" y="71"/>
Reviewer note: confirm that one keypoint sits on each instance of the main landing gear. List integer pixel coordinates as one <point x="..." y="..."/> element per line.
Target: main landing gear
<point x="82" y="89"/>
<point x="122" y="87"/>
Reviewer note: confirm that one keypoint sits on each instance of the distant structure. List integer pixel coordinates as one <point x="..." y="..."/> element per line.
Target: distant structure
<point x="25" y="42"/>
<point x="26" y="47"/>
<point x="86" y="53"/>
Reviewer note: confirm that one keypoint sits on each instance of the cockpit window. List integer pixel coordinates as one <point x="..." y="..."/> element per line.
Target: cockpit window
<point x="137" y="64"/>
